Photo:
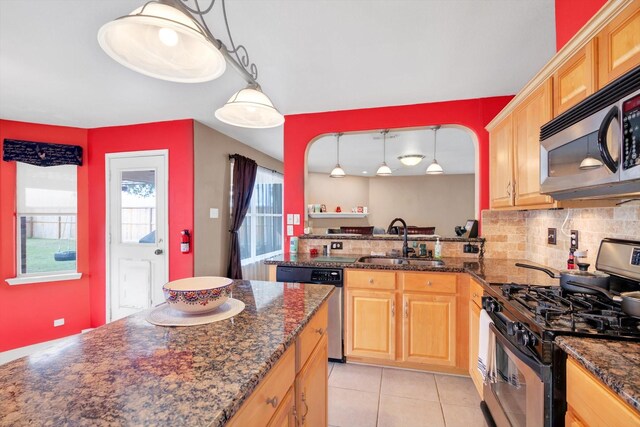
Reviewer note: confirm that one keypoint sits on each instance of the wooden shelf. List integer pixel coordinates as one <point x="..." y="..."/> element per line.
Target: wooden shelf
<point x="337" y="215"/>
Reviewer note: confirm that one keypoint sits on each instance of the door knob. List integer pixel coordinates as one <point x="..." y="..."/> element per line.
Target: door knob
<point x="158" y="252"/>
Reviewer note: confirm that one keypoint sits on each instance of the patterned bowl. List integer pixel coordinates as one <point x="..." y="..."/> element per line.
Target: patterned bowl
<point x="195" y="295"/>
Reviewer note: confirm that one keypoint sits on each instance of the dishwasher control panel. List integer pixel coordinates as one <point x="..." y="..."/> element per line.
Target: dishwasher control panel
<point x="329" y="276"/>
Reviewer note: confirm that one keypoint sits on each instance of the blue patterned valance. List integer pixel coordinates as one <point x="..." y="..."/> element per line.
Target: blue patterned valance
<point x="41" y="153"/>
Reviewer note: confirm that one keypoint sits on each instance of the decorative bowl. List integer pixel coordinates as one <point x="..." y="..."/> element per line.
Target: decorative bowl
<point x="195" y="295"/>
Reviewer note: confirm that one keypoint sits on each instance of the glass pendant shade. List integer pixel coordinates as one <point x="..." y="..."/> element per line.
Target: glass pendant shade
<point x="435" y="168"/>
<point x="383" y="170"/>
<point x="411" y="159"/>
<point x="590" y="163"/>
<point x="160" y="41"/>
<point x="337" y="172"/>
<point x="250" y="108"/>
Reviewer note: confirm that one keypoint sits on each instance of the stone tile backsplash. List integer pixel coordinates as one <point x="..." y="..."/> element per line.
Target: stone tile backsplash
<point x="523" y="234"/>
<point x="449" y="249"/>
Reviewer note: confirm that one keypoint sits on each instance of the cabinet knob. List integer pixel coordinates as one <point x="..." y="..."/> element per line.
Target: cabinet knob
<point x="428" y="282"/>
<point x="273" y="401"/>
<point x="475" y="295"/>
<point x="371" y="280"/>
<point x="319" y="331"/>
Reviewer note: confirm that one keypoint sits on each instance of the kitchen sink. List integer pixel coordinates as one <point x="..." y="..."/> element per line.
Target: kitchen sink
<point x="401" y="261"/>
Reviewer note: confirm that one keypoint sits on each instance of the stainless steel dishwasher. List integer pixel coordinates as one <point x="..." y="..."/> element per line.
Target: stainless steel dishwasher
<point x="322" y="276"/>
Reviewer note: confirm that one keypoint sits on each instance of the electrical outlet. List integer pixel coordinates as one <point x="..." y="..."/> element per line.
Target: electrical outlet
<point x="336" y="245"/>
<point x="574" y="239"/>
<point x="551" y="235"/>
<point x="58" y="322"/>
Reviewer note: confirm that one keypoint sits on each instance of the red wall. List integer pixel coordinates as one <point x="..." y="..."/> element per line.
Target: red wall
<point x="175" y="136"/>
<point x="571" y="15"/>
<point x="27" y="312"/>
<point x="301" y="129"/>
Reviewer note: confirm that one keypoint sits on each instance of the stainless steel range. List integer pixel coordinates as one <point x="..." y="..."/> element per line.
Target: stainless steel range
<point x="526" y="318"/>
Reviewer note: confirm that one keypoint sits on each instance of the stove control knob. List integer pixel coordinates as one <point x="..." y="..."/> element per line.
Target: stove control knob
<point x="525" y="338"/>
<point x="513" y="328"/>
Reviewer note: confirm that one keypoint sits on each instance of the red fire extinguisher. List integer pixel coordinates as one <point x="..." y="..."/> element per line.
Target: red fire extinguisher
<point x="185" y="242"/>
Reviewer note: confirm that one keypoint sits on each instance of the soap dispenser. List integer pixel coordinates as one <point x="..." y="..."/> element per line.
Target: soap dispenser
<point x="437" y="249"/>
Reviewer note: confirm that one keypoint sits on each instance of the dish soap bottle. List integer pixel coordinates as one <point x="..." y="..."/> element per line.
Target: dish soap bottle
<point x="437" y="249"/>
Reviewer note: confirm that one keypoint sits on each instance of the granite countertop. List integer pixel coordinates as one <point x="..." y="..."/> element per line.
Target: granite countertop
<point x="483" y="269"/>
<point x="615" y="363"/>
<point x="131" y="372"/>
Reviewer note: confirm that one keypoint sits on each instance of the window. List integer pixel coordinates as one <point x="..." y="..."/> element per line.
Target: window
<point x="46" y="202"/>
<point x="261" y="232"/>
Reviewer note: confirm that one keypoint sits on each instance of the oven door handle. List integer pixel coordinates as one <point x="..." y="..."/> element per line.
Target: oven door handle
<point x="540" y="369"/>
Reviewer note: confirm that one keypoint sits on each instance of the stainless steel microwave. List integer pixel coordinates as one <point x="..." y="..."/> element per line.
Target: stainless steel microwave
<point x="593" y="149"/>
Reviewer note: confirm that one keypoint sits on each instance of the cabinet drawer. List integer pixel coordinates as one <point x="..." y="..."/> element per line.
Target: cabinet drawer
<point x="264" y="401"/>
<point x="475" y="293"/>
<point x="370" y="279"/>
<point x="429" y="282"/>
<point x="310" y="336"/>
<point x="593" y="402"/>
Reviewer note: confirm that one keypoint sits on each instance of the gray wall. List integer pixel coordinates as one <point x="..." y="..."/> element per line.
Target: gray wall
<point x="212" y="181"/>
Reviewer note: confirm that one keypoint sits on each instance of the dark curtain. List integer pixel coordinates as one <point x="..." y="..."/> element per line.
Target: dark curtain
<point x="41" y="153"/>
<point x="244" y="177"/>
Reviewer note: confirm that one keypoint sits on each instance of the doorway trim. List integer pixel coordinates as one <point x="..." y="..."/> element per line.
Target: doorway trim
<point x="126" y="154"/>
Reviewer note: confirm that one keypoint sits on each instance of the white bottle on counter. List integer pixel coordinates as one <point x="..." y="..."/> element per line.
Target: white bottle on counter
<point x="437" y="249"/>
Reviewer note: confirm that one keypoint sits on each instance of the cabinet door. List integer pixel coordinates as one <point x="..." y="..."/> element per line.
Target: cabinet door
<point x="312" y="388"/>
<point x="501" y="164"/>
<point x="429" y="329"/>
<point x="532" y="113"/>
<point x="284" y="415"/>
<point x="370" y="325"/>
<point x="575" y="79"/>
<point x="571" y="419"/>
<point x="619" y="45"/>
<point x="474" y="328"/>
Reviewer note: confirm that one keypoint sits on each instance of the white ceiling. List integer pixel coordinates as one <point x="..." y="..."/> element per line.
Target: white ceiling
<point x="312" y="55"/>
<point x="363" y="152"/>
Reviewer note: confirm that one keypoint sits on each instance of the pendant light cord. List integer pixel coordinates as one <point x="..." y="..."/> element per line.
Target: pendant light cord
<point x="384" y="146"/>
<point x="338" y="135"/>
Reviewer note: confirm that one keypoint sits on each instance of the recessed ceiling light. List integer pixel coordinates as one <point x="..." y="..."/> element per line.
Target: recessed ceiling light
<point x="365" y="172"/>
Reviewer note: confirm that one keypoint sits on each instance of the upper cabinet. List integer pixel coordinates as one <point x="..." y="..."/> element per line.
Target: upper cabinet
<point x="501" y="164"/>
<point x="575" y="79"/>
<point x="619" y="45"/>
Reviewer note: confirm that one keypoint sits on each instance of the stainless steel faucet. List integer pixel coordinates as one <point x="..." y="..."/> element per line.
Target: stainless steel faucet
<point x="405" y="245"/>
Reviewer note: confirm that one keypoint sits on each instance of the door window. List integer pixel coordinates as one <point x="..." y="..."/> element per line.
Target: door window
<point x="138" y="207"/>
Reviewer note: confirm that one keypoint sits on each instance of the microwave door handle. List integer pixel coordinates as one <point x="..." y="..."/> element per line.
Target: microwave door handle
<point x="614" y="113"/>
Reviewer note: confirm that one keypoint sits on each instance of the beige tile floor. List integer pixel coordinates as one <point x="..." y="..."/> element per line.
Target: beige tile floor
<point x="370" y="396"/>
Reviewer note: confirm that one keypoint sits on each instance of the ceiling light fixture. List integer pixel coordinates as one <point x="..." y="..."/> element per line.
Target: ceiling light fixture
<point x="337" y="172"/>
<point x="435" y="168"/>
<point x="411" y="159"/>
<point x="168" y="40"/>
<point x="384" y="170"/>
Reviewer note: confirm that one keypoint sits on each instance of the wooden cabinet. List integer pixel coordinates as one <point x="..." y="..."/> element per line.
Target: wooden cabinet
<point x="371" y="279"/>
<point x="370" y="323"/>
<point x="532" y="113"/>
<point x="429" y="329"/>
<point x="591" y="403"/>
<point x="575" y="80"/>
<point x="475" y="306"/>
<point x="619" y="45"/>
<point x="312" y="390"/>
<point x="501" y="164"/>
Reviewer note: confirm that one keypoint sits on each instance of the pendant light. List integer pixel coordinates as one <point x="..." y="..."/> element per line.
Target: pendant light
<point x="589" y="162"/>
<point x="169" y="40"/>
<point x="384" y="170"/>
<point x="337" y="172"/>
<point x="411" y="159"/>
<point x="435" y="168"/>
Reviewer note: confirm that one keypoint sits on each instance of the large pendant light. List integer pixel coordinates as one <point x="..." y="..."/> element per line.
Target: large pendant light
<point x="250" y="108"/>
<point x="435" y="168"/>
<point x="384" y="170"/>
<point x="337" y="172"/>
<point x="169" y="40"/>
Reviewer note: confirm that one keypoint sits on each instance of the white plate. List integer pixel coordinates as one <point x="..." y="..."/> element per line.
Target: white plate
<point x="163" y="315"/>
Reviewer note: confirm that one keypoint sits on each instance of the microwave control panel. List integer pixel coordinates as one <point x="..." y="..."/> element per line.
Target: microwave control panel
<point x="631" y="133"/>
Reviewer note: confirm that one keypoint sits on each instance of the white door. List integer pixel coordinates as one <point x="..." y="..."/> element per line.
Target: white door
<point x="137" y="257"/>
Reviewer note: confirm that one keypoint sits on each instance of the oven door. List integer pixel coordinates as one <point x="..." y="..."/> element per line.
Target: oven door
<point x="520" y="396"/>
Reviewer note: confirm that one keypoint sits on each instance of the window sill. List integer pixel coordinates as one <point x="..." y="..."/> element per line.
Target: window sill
<point x="26" y="280"/>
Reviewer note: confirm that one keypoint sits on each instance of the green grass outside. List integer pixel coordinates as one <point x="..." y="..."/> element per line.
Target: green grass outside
<point x="40" y="255"/>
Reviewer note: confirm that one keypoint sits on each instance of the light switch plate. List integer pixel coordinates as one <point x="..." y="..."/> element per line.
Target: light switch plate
<point x="58" y="322"/>
<point x="296" y="219"/>
<point x="289" y="230"/>
<point x="574" y="239"/>
<point x="552" y="236"/>
<point x="289" y="218"/>
<point x="213" y="213"/>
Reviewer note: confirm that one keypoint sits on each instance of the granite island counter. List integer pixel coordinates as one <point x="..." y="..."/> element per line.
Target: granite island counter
<point x="131" y="372"/>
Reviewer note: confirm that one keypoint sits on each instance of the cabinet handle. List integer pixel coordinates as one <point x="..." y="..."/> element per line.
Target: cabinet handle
<point x="393" y="308"/>
<point x="306" y="408"/>
<point x="406" y="309"/>
<point x="509" y="189"/>
<point x="319" y="331"/>
<point x="273" y="401"/>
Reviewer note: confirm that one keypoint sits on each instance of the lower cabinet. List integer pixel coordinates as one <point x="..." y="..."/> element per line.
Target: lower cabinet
<point x="311" y="383"/>
<point x="287" y="399"/>
<point x="370" y="322"/>
<point x="429" y="329"/>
